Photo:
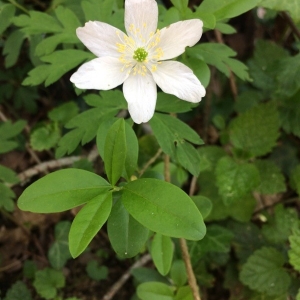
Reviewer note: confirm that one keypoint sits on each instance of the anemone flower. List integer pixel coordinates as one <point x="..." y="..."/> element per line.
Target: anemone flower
<point x="140" y="59"/>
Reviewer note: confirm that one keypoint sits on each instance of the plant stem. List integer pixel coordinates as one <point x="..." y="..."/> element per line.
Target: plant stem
<point x="151" y="161"/>
<point x="184" y="249"/>
<point x="16" y="4"/>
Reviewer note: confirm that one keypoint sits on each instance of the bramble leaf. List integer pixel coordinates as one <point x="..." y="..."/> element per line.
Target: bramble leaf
<point x="264" y="272"/>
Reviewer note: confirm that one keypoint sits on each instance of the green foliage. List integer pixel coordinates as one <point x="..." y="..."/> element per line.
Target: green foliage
<point x="59" y="253"/>
<point x="148" y="201"/>
<point x="220" y="56"/>
<point x="294" y="251"/>
<point x="18" y="291"/>
<point x="178" y="273"/>
<point x="281" y="225"/>
<point x="293" y="7"/>
<point x="47" y="281"/>
<point x="8" y="132"/>
<point x="85" y="125"/>
<point x="7" y="11"/>
<point x="256" y="131"/>
<point x="88" y="222"/>
<point x="62" y="190"/>
<point x="95" y="272"/>
<point x="154" y="290"/>
<point x="173" y="137"/>
<point x="127" y="236"/>
<point x="235" y="180"/>
<point x="115" y="151"/>
<point x="264" y="272"/>
<point x="271" y="179"/>
<point x="162" y="250"/>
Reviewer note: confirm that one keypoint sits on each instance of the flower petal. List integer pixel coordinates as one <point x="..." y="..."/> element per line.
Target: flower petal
<point x="175" y="78"/>
<point x="101" y="38"/>
<point x="140" y="93"/>
<point x="102" y="73"/>
<point x="175" y="37"/>
<point x="141" y="19"/>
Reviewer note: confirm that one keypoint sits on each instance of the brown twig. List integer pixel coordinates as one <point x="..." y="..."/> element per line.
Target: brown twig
<point x="183" y="245"/>
<point x="151" y="161"/>
<point x="117" y="286"/>
<point x="291" y="23"/>
<point x="232" y="82"/>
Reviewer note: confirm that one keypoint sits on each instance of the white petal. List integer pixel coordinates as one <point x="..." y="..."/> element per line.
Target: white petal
<point x="175" y="78"/>
<point x="140" y="93"/>
<point x="175" y="37"/>
<point x="102" y="73"/>
<point x="141" y="19"/>
<point x="100" y="38"/>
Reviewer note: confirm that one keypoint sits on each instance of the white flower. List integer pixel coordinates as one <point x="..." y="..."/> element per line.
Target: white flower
<point x="139" y="59"/>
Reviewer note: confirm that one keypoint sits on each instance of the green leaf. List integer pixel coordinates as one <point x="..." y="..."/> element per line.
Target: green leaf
<point x="154" y="290"/>
<point x="220" y="56"/>
<point x="217" y="239"/>
<point x="127" y="236"/>
<point x="172" y="134"/>
<point x="12" y="47"/>
<point x="64" y="113"/>
<point x="47" y="281"/>
<point x="69" y="22"/>
<point x="145" y="275"/>
<point x="37" y="23"/>
<point x="6" y="199"/>
<point x="178" y="273"/>
<point x="8" y="175"/>
<point x="62" y="190"/>
<point x="280" y="226"/>
<point x="204" y="205"/>
<point x="162" y="250"/>
<point x="288" y="70"/>
<point x="7" y="11"/>
<point x="264" y="272"/>
<point x="45" y="137"/>
<point x="95" y="272"/>
<point x="225" y="28"/>
<point x="59" y="253"/>
<point x="247" y="100"/>
<point x="59" y="63"/>
<point x="290" y="115"/>
<point x="115" y="150"/>
<point x="18" y="290"/>
<point x="209" y="156"/>
<point x="85" y="127"/>
<point x="235" y="180"/>
<point x="88" y="222"/>
<point x="272" y="180"/>
<point x="97" y="10"/>
<point x="184" y="293"/>
<point x="181" y="5"/>
<point x="294" y="251"/>
<point x="148" y="201"/>
<point x="256" y="131"/>
<point x="9" y="131"/>
<point x="227" y="8"/>
<point x="293" y="7"/>
<point x="295" y="178"/>
<point x="170" y="104"/>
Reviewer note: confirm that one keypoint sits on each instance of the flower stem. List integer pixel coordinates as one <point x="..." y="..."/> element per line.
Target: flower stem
<point x="184" y="249"/>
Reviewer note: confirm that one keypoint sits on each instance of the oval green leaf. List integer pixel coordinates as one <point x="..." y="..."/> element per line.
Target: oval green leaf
<point x="115" y="151"/>
<point x="154" y="290"/>
<point x="62" y="190"/>
<point x="127" y="236"/>
<point x="164" y="208"/>
<point x="88" y="222"/>
<point x="162" y="251"/>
